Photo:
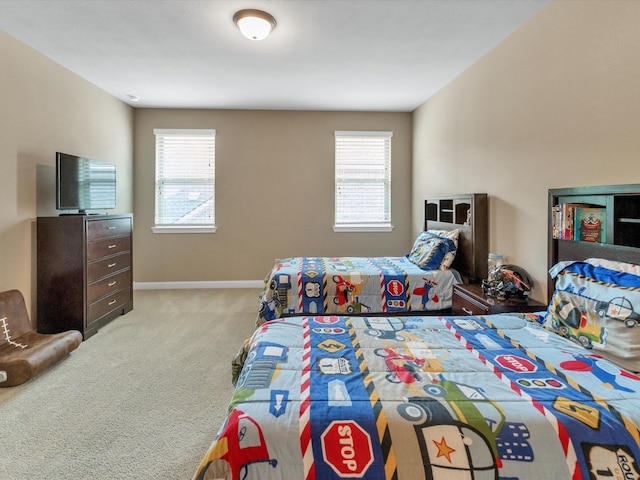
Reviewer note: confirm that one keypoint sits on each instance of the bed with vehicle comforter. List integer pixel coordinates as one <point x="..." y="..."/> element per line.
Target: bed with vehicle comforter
<point x="452" y="246"/>
<point x="547" y="396"/>
<point x="354" y="285"/>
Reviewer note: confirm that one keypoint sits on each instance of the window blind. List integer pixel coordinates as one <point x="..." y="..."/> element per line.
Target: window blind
<point x="185" y="177"/>
<point x="363" y="178"/>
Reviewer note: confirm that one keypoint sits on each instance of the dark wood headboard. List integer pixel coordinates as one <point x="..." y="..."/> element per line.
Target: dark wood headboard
<point x="622" y="243"/>
<point x="469" y="213"/>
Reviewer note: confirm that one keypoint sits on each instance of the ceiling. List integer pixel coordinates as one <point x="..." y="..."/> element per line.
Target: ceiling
<point x="353" y="55"/>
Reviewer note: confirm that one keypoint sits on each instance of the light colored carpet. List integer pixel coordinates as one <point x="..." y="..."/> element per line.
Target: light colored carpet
<point x="141" y="399"/>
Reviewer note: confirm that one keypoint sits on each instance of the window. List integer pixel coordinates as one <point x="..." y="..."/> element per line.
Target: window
<point x="363" y="181"/>
<point x="185" y="181"/>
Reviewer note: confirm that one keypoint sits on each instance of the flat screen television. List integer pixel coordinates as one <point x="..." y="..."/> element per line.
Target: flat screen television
<point x="84" y="184"/>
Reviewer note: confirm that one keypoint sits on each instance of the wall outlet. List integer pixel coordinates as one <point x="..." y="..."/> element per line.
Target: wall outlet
<point x="3" y="376"/>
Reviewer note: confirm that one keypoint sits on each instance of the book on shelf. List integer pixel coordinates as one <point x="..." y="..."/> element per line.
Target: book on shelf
<point x="590" y="224"/>
<point x="567" y="219"/>
<point x="555" y="222"/>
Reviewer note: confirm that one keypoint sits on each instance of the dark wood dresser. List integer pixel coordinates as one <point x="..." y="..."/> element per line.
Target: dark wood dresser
<point x="84" y="270"/>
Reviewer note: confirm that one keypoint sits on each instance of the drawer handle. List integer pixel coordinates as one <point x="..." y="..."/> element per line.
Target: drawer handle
<point x="111" y="227"/>
<point x="112" y="246"/>
<point x="467" y="311"/>
<point x="112" y="284"/>
<point x="111" y="265"/>
<point x="112" y="302"/>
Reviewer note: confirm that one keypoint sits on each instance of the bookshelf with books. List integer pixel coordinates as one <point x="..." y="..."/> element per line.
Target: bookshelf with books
<point x="579" y="221"/>
<point x="605" y="218"/>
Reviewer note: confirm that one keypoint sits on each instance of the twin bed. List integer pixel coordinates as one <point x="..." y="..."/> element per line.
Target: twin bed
<point x="452" y="247"/>
<point x="510" y="396"/>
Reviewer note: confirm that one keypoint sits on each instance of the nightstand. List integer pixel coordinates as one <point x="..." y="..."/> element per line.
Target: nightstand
<point x="468" y="299"/>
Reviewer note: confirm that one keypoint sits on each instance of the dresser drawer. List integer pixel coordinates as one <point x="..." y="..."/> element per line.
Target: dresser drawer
<point x="466" y="306"/>
<point x="110" y="246"/>
<point x="112" y="227"/>
<point x="108" y="266"/>
<point x="108" y="285"/>
<point x="106" y="305"/>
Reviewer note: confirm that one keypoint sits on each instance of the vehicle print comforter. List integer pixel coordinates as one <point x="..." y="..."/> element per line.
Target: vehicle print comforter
<point x="353" y="285"/>
<point x="499" y="397"/>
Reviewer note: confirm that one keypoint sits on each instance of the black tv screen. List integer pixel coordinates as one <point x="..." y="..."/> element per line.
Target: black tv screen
<point x="84" y="184"/>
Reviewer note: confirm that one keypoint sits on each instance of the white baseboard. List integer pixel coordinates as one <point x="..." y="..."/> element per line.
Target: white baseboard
<point x="194" y="285"/>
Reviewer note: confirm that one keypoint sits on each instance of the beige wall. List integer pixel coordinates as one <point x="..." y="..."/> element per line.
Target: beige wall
<point x="274" y="193"/>
<point x="555" y="105"/>
<point x="46" y="108"/>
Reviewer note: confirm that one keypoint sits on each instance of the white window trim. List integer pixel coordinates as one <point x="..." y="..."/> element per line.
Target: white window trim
<point x="362" y="227"/>
<point x="363" y="133"/>
<point x="177" y="228"/>
<point x="183" y="229"/>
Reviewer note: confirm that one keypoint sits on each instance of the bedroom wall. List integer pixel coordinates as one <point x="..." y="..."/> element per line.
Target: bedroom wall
<point x="46" y="108"/>
<point x="274" y="193"/>
<point x="554" y="105"/>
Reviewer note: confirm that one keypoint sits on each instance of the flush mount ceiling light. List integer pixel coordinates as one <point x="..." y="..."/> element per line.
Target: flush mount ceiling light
<point x="254" y="24"/>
